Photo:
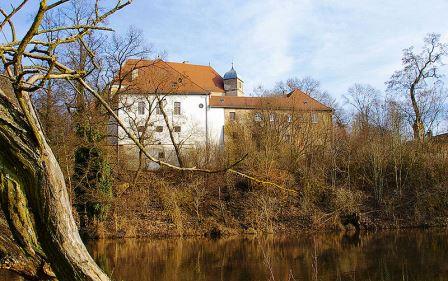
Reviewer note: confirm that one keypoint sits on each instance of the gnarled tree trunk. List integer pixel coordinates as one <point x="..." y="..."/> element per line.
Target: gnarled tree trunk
<point x="34" y="196"/>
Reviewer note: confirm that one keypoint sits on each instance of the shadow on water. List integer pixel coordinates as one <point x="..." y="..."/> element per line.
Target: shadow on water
<point x="406" y="255"/>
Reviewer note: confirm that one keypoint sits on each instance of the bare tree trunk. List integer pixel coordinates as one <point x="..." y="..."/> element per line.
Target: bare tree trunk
<point x="41" y="222"/>
<point x="141" y="160"/>
<point x="418" y="126"/>
<point x="170" y="131"/>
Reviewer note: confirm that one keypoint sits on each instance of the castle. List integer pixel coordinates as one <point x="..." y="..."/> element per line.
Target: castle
<point x="165" y="102"/>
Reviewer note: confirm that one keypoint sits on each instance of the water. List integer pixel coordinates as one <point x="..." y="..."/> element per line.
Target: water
<point x="401" y="256"/>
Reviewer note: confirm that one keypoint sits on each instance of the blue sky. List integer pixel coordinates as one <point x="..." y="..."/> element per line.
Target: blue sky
<point x="336" y="42"/>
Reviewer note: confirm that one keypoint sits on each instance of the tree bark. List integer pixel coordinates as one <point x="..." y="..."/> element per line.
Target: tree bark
<point x="418" y="127"/>
<point x="41" y="219"/>
<point x="14" y="258"/>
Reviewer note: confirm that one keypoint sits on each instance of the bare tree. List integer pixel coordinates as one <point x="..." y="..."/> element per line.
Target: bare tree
<point x="42" y="221"/>
<point x="368" y="106"/>
<point x="118" y="50"/>
<point x="308" y="85"/>
<point x="420" y="82"/>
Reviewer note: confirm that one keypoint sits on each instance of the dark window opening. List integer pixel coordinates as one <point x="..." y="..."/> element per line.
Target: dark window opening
<point x="176" y="108"/>
<point x="141" y="107"/>
<point x="232" y="116"/>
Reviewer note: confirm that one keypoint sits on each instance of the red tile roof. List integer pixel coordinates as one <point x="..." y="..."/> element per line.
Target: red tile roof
<point x="170" y="77"/>
<point x="295" y="100"/>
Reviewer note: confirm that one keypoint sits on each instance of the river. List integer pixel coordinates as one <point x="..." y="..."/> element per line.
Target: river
<point x="413" y="255"/>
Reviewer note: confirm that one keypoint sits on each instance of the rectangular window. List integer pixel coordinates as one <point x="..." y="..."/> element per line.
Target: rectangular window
<point x="176" y="108"/>
<point x="159" y="129"/>
<point x="161" y="155"/>
<point x="289" y="118"/>
<point x="177" y="129"/>
<point x="232" y="116"/>
<point x="141" y="107"/>
<point x="314" y="117"/>
<point x="272" y="117"/>
<point x="257" y="117"/>
<point x="159" y="106"/>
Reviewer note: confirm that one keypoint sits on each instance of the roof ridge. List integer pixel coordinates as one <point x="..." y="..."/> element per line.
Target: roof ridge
<point x="185" y="63"/>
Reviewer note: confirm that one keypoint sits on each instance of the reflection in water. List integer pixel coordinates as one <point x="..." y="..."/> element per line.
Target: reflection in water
<point x="409" y="256"/>
<point x="8" y="276"/>
<point x="351" y="238"/>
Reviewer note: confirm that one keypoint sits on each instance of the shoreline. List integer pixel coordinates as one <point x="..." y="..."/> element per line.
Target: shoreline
<point x="234" y="233"/>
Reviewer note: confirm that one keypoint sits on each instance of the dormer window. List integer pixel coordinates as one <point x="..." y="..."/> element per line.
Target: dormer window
<point x="134" y="74"/>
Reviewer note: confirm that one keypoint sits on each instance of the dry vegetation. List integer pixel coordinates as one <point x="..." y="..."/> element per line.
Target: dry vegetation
<point x="389" y="181"/>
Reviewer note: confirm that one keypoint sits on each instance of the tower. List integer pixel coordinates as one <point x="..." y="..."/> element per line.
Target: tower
<point x="233" y="86"/>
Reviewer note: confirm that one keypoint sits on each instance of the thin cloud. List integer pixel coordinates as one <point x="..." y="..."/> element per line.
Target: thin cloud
<point x="337" y="42"/>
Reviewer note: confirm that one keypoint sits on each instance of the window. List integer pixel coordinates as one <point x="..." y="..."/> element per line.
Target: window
<point x="257" y="117"/>
<point x="314" y="117"/>
<point x="177" y="129"/>
<point x="161" y="155"/>
<point x="159" y="129"/>
<point x="272" y="117"/>
<point x="289" y="118"/>
<point x="232" y="116"/>
<point x="159" y="106"/>
<point x="141" y="107"/>
<point x="176" y="108"/>
<point x="134" y="74"/>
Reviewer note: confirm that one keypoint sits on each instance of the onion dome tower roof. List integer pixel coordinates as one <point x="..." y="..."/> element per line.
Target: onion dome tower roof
<point x="231" y="74"/>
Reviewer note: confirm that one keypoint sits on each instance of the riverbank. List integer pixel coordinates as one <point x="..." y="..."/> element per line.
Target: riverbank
<point x="163" y="204"/>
